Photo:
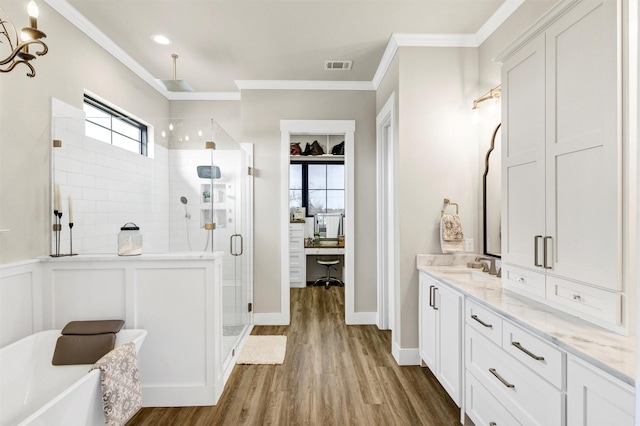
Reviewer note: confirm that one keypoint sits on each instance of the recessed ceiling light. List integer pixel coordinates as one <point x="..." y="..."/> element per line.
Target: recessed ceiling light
<point x="160" y="39"/>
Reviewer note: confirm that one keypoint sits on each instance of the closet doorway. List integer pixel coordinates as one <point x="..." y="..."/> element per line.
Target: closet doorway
<point x="345" y="130"/>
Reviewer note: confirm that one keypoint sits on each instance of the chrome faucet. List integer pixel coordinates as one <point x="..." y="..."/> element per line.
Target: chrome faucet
<point x="492" y="265"/>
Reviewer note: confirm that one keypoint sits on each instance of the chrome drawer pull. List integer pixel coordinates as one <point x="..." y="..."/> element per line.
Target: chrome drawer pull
<point x="536" y="262"/>
<point x="475" y="317"/>
<point x="431" y="287"/>
<point x="493" y="424"/>
<point x="532" y="355"/>
<point x="545" y="254"/>
<point x="504" y="382"/>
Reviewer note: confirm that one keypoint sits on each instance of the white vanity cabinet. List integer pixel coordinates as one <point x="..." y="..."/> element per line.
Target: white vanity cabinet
<point x="440" y="333"/>
<point x="596" y="398"/>
<point x="562" y="175"/>
<point x="297" y="260"/>
<point x="521" y="375"/>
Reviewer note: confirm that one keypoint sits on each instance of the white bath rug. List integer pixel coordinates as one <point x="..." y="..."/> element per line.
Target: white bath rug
<point x="263" y="350"/>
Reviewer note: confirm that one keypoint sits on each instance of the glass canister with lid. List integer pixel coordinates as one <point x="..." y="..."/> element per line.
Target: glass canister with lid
<point x="129" y="240"/>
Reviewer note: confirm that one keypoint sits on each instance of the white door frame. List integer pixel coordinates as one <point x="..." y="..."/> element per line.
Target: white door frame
<point x="318" y="127"/>
<point x="387" y="226"/>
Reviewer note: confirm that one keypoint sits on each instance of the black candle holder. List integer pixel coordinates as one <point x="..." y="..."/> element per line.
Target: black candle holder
<point x="57" y="228"/>
<point x="71" y="253"/>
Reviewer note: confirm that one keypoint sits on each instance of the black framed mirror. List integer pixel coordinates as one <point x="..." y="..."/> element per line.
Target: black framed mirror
<point x="491" y="198"/>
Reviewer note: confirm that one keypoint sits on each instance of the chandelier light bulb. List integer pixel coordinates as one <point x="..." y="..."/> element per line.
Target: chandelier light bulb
<point x="25" y="36"/>
<point x="171" y="127"/>
<point x="32" y="9"/>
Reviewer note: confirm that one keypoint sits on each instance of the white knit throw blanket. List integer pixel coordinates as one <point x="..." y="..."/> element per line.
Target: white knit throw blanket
<point x="121" y="391"/>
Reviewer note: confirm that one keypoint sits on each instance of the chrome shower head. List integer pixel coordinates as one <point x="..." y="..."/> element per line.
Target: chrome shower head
<point x="183" y="200"/>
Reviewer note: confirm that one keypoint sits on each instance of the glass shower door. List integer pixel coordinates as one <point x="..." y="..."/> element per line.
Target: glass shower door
<point x="231" y="209"/>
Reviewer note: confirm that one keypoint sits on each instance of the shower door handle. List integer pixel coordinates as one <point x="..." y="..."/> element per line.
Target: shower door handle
<point x="231" y="245"/>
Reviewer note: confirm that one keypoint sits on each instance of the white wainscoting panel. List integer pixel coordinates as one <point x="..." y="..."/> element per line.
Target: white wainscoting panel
<point x="20" y="301"/>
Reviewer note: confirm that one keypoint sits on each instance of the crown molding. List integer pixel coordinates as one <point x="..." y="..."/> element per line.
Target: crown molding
<point x="202" y="96"/>
<point x="502" y="14"/>
<point x="396" y="41"/>
<point x="303" y="85"/>
<point x="79" y="20"/>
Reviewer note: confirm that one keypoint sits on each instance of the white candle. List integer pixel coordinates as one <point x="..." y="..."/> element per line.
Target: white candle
<point x="56" y="197"/>
<point x="70" y="210"/>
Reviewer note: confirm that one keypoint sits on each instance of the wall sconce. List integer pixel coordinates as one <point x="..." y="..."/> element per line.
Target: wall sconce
<point x="492" y="95"/>
<point x="19" y="43"/>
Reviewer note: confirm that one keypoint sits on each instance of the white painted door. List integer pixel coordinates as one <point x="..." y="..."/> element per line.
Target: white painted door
<point x="582" y="146"/>
<point x="594" y="398"/>
<point x="523" y="141"/>
<point x="449" y="305"/>
<point x="427" y="328"/>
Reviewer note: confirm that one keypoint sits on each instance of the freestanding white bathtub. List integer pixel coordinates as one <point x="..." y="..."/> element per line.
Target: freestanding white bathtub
<point x="34" y="392"/>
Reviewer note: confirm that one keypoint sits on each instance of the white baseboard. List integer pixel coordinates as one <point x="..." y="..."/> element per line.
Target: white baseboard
<point x="271" y="318"/>
<point x="362" y="318"/>
<point x="410" y="356"/>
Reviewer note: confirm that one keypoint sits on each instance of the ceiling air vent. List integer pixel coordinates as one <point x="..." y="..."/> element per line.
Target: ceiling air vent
<point x="337" y="65"/>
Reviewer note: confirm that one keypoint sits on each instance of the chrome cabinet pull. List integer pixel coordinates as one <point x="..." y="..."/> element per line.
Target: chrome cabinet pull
<point x="536" y="261"/>
<point x="528" y="352"/>
<point x="431" y="287"/>
<point x="499" y="377"/>
<point x="434" y="298"/>
<point x="545" y="253"/>
<point x="493" y="424"/>
<point x="475" y="317"/>
<point x="231" y="245"/>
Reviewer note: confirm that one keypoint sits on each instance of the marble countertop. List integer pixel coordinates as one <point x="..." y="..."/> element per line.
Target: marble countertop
<point x="605" y="349"/>
<point x="191" y="255"/>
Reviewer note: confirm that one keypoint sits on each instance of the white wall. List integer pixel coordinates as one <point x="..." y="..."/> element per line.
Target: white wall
<point x="438" y="154"/>
<point x="74" y="64"/>
<point x="262" y="111"/>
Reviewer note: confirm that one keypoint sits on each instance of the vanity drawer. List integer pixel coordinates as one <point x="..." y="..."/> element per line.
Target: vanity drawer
<point x="588" y="300"/>
<point x="295" y="260"/>
<point x="295" y="275"/>
<point x="295" y="231"/>
<point x="523" y="281"/>
<point x="296" y="246"/>
<point x="486" y="322"/>
<point x="540" y="356"/>
<point x="483" y="408"/>
<point x="526" y="395"/>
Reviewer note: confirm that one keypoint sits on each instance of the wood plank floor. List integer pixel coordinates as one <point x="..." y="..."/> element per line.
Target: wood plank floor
<point x="333" y="374"/>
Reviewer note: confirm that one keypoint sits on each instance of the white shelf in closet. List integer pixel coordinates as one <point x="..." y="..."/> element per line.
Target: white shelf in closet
<point x="312" y="158"/>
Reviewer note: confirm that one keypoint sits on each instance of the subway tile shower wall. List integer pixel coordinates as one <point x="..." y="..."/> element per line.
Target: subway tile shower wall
<point x="109" y="187"/>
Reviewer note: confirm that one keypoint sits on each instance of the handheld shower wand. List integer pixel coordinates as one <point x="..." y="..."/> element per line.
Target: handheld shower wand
<point x="184" y="201"/>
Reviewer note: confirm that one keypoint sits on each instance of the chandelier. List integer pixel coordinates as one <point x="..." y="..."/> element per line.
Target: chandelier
<point x="18" y="44"/>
